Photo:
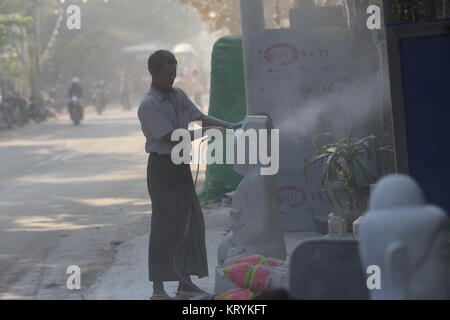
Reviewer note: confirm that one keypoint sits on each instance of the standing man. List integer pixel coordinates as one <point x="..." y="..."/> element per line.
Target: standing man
<point x="177" y="248"/>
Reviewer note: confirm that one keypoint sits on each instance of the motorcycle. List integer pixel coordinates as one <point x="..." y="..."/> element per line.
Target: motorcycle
<point x="18" y="109"/>
<point x="10" y="107"/>
<point x="37" y="109"/>
<point x="75" y="110"/>
<point x="22" y="103"/>
<point x="5" y="114"/>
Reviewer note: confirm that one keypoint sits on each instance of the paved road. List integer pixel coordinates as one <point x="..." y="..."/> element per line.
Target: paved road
<point x="68" y="196"/>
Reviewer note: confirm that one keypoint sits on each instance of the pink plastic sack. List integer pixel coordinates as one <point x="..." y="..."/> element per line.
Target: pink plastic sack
<point x="237" y="294"/>
<point x="246" y="275"/>
<point x="258" y="259"/>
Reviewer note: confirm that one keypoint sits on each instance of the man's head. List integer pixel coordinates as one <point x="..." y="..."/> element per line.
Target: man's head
<point x="162" y="65"/>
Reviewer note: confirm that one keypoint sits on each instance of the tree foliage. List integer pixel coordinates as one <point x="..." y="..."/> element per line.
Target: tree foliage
<point x="12" y="36"/>
<point x="10" y="28"/>
<point x="218" y="14"/>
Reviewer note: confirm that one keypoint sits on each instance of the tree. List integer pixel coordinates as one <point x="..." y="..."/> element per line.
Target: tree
<point x="27" y="39"/>
<point x="11" y="28"/>
<point x="12" y="35"/>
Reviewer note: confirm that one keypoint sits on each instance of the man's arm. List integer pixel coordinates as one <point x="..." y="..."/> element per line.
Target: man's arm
<point x="208" y="121"/>
<point x="201" y="132"/>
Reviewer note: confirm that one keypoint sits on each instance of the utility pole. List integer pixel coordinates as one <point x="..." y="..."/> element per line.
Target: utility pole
<point x="252" y="19"/>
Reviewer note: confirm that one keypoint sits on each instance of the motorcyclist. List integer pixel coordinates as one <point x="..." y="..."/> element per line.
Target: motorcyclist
<point x="75" y="89"/>
<point x="75" y="93"/>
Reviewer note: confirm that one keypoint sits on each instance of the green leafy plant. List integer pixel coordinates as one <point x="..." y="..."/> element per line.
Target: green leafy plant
<point x="341" y="160"/>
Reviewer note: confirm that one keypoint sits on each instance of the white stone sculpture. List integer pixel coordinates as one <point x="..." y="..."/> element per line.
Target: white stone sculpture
<point x="408" y="240"/>
<point x="256" y="227"/>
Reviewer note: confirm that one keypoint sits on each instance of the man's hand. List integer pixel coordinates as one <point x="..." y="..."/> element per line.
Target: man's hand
<point x="202" y="132"/>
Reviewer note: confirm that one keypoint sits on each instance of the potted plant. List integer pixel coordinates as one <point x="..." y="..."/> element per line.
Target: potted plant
<point x="346" y="180"/>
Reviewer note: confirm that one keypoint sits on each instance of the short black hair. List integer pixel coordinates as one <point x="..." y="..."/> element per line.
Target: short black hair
<point x="160" y="58"/>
